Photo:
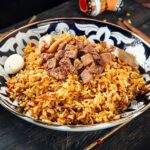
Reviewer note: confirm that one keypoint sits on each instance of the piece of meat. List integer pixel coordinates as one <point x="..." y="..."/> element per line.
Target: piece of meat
<point x="99" y="69"/>
<point x="91" y="68"/>
<point x="78" y="64"/>
<point x="66" y="64"/>
<point x="105" y="58"/>
<point x="87" y="59"/>
<point x="85" y="49"/>
<point x="86" y="76"/>
<point x="62" y="46"/>
<point x="46" y="56"/>
<point x="95" y="69"/>
<point x="79" y="44"/>
<point x="51" y="63"/>
<point x="126" y="57"/>
<point x="96" y="55"/>
<point x="70" y="47"/>
<point x="59" y="54"/>
<point x="92" y="50"/>
<point x="71" y="53"/>
<point x="58" y="73"/>
<point x="88" y="49"/>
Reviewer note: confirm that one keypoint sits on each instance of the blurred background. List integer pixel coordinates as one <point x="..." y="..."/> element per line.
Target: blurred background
<point x="13" y="11"/>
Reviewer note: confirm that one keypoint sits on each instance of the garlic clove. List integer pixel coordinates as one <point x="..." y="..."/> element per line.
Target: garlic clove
<point x="46" y="39"/>
<point x="13" y="64"/>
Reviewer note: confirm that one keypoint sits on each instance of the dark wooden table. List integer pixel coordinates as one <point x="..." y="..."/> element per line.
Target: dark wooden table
<point x="16" y="134"/>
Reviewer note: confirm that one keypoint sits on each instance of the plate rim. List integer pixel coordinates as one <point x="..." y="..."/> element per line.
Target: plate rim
<point x="73" y="18"/>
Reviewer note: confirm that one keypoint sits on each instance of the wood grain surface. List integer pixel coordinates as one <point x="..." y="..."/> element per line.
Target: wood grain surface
<point x="16" y="134"/>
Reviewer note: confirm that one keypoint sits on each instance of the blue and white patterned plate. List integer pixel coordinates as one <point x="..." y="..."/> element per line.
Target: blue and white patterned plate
<point x="95" y="31"/>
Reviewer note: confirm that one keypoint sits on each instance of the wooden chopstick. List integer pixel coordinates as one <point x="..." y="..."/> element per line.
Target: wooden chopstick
<point x="128" y="26"/>
<point x="107" y="135"/>
<point x="113" y="131"/>
<point x="33" y="18"/>
<point x="120" y="23"/>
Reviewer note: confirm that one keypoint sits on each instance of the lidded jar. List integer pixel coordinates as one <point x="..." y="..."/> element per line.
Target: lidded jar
<point x="95" y="7"/>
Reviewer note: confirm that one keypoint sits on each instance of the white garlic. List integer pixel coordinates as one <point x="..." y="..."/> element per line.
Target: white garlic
<point x="46" y="39"/>
<point x="13" y="64"/>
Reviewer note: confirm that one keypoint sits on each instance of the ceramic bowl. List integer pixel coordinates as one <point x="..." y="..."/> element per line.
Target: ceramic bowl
<point x="95" y="31"/>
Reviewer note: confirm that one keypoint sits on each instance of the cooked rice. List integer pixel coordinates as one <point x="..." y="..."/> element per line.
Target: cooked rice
<point x="72" y="102"/>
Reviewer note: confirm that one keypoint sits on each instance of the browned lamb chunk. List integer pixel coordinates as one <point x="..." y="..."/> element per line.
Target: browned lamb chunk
<point x="92" y="50"/>
<point x="78" y="64"/>
<point x="95" y="69"/>
<point x="96" y="55"/>
<point x="58" y="73"/>
<point x="70" y="47"/>
<point x="79" y="44"/>
<point x="99" y="69"/>
<point x="91" y="68"/>
<point x="66" y="64"/>
<point x="59" y="54"/>
<point x="87" y="48"/>
<point x="87" y="59"/>
<point x="105" y="58"/>
<point x="86" y="76"/>
<point x="71" y="53"/>
<point x="46" y="56"/>
<point x="51" y="63"/>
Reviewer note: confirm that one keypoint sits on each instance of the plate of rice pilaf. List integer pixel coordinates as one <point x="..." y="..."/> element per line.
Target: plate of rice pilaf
<point x="74" y="74"/>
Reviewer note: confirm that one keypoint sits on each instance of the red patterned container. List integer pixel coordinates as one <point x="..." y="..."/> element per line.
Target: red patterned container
<point x="95" y="7"/>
